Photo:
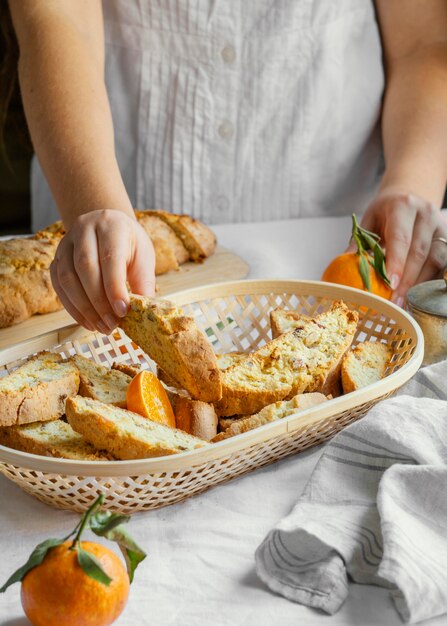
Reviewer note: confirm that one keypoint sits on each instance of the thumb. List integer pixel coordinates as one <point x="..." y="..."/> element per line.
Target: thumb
<point x="141" y="269"/>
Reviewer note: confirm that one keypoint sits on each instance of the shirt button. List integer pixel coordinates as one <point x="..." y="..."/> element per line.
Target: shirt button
<point x="226" y="130"/>
<point x="222" y="203"/>
<point x="228" y="54"/>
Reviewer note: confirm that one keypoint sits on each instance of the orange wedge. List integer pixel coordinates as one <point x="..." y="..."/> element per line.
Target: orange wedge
<point x="147" y="396"/>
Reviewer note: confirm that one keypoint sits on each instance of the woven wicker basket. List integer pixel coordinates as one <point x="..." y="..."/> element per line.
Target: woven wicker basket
<point x="236" y="317"/>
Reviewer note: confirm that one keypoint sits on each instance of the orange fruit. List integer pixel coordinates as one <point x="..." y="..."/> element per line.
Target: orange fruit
<point x="345" y="270"/>
<point x="147" y="396"/>
<point x="58" y="592"/>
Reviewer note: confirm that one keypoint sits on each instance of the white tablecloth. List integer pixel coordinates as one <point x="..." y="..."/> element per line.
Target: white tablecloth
<point x="200" y="568"/>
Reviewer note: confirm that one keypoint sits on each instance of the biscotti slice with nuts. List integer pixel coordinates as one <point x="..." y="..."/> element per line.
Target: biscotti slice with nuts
<point x="271" y="413"/>
<point x="101" y="383"/>
<point x="224" y="361"/>
<point x="173" y="340"/>
<point x="197" y="238"/>
<point x="124" y="434"/>
<point x="282" y="321"/>
<point x="307" y="358"/>
<point x="36" y="391"/>
<point x="56" y="438"/>
<point x="365" y="364"/>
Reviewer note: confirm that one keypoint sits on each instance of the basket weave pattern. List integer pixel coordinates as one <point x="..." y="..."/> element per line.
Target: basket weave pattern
<point x="233" y="321"/>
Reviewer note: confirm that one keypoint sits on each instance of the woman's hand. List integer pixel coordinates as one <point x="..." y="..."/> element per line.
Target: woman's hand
<point x="408" y="226"/>
<point x="102" y="250"/>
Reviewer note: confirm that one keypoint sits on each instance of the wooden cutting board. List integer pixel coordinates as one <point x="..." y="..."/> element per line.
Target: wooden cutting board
<point x="221" y="266"/>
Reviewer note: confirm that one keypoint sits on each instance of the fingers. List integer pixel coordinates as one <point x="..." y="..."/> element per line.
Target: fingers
<point x="70" y="291"/>
<point x="398" y="235"/>
<point x="92" y="296"/>
<point x="141" y="269"/>
<point x="93" y="261"/>
<point x="72" y="310"/>
<point x="418" y="252"/>
<point x="114" y="253"/>
<point x="436" y="260"/>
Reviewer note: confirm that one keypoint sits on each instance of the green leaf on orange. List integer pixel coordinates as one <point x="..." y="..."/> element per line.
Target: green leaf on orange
<point x="35" y="558"/>
<point x="92" y="566"/>
<point x="364" y="271"/>
<point x="111" y="526"/>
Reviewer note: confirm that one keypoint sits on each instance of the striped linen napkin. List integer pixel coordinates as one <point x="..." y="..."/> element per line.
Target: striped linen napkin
<point x="374" y="510"/>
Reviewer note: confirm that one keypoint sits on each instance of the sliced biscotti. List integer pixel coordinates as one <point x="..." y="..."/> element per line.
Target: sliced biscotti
<point x="307" y="358"/>
<point x="271" y="413"/>
<point x="193" y="416"/>
<point x="365" y="364"/>
<point x="169" y="249"/>
<point x="173" y="340"/>
<point x="125" y="368"/>
<point x="282" y="321"/>
<point x="124" y="434"/>
<point x="101" y="383"/>
<point x="197" y="238"/>
<point x="36" y="391"/>
<point x="56" y="438"/>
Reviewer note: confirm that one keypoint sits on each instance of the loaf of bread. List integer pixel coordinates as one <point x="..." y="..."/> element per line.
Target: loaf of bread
<point x="101" y="383"/>
<point x="124" y="434"/>
<point x="25" y="283"/>
<point x="176" y="344"/>
<point x="199" y="240"/>
<point x="56" y="438"/>
<point x="307" y="358"/>
<point x="271" y="413"/>
<point x="365" y="364"/>
<point x="36" y="391"/>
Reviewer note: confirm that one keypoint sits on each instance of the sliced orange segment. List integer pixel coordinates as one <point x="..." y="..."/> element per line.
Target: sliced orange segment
<point x="147" y="396"/>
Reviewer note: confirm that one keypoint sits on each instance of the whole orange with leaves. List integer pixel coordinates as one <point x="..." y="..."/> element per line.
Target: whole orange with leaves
<point x="59" y="593"/>
<point x="345" y="270"/>
<point x="363" y="269"/>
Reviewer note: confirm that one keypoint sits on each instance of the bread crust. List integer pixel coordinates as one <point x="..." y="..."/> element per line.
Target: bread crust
<point x="176" y="344"/>
<point x="38" y="396"/>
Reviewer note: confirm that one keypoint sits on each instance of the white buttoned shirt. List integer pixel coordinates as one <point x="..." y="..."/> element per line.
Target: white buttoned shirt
<point x="242" y="110"/>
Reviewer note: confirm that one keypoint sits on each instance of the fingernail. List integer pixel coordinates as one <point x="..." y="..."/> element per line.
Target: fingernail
<point x="120" y="308"/>
<point x="395" y="280"/>
<point x="400" y="301"/>
<point x="110" y="321"/>
<point x="103" y="328"/>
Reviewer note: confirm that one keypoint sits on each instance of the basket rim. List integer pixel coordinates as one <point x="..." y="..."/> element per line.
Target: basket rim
<point x="263" y="434"/>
